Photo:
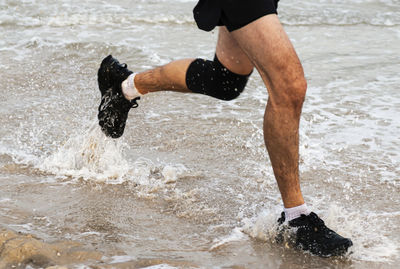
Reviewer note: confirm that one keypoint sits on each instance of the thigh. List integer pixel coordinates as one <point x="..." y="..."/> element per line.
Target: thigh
<point x="270" y="50"/>
<point x="231" y="55"/>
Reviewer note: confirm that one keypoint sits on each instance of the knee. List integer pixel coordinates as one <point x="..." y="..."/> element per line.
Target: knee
<point x="298" y="91"/>
<point x="291" y="94"/>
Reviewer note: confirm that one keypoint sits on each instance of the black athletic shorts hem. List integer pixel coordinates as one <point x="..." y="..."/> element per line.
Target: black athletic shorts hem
<point x="234" y="14"/>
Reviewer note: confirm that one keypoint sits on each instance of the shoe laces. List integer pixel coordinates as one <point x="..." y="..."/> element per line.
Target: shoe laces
<point x="119" y="67"/>
<point x="134" y="102"/>
<point x="316" y="223"/>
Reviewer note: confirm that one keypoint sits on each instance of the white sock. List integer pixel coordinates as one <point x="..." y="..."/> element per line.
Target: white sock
<point x="295" y="212"/>
<point x="128" y="88"/>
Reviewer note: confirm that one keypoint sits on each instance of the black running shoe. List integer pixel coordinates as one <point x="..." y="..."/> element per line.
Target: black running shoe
<point x="114" y="107"/>
<point x="311" y="234"/>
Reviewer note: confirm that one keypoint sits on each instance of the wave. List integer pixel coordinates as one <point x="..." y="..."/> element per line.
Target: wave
<point x="384" y="13"/>
<point x="91" y="19"/>
<point x="334" y="18"/>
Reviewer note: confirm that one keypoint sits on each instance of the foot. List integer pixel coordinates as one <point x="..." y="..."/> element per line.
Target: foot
<point x="114" y="107"/>
<point x="311" y="234"/>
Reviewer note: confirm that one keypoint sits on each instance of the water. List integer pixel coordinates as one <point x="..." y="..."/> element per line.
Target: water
<point x="190" y="184"/>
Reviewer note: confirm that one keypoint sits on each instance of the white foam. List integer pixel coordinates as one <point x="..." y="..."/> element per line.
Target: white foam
<point x="63" y="20"/>
<point x="167" y="19"/>
<point x="371" y="242"/>
<point x="235" y="235"/>
<point x="160" y="266"/>
<point x="263" y="226"/>
<point x="18" y="156"/>
<point x="121" y="259"/>
<point x="333" y="13"/>
<point x="170" y="174"/>
<point x="26" y="227"/>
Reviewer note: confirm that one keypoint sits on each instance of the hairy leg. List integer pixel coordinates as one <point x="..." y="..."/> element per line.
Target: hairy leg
<point x="262" y="44"/>
<point x="231" y="55"/>
<point x="172" y="76"/>
<point x="270" y="50"/>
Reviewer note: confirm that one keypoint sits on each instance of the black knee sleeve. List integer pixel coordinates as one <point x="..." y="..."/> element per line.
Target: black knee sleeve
<point x="213" y="79"/>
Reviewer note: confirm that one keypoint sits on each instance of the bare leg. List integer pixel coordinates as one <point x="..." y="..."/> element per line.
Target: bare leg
<point x="262" y="44"/>
<point x="272" y="53"/>
<point x="231" y="55"/>
<point x="170" y="77"/>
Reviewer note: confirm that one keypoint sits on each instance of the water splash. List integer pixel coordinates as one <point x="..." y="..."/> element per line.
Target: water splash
<point x="93" y="156"/>
<point x="365" y="230"/>
<point x="88" y="155"/>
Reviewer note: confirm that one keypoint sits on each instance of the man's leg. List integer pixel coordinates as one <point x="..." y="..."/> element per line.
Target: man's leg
<point x="270" y="50"/>
<point x="172" y="76"/>
<point x="223" y="78"/>
<point x="264" y="44"/>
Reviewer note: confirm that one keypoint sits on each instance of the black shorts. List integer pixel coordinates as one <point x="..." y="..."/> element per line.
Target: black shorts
<point x="234" y="14"/>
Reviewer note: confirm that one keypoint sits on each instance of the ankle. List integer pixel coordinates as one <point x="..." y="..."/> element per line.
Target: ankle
<point x="129" y="89"/>
<point x="295" y="212"/>
<point x="136" y="83"/>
